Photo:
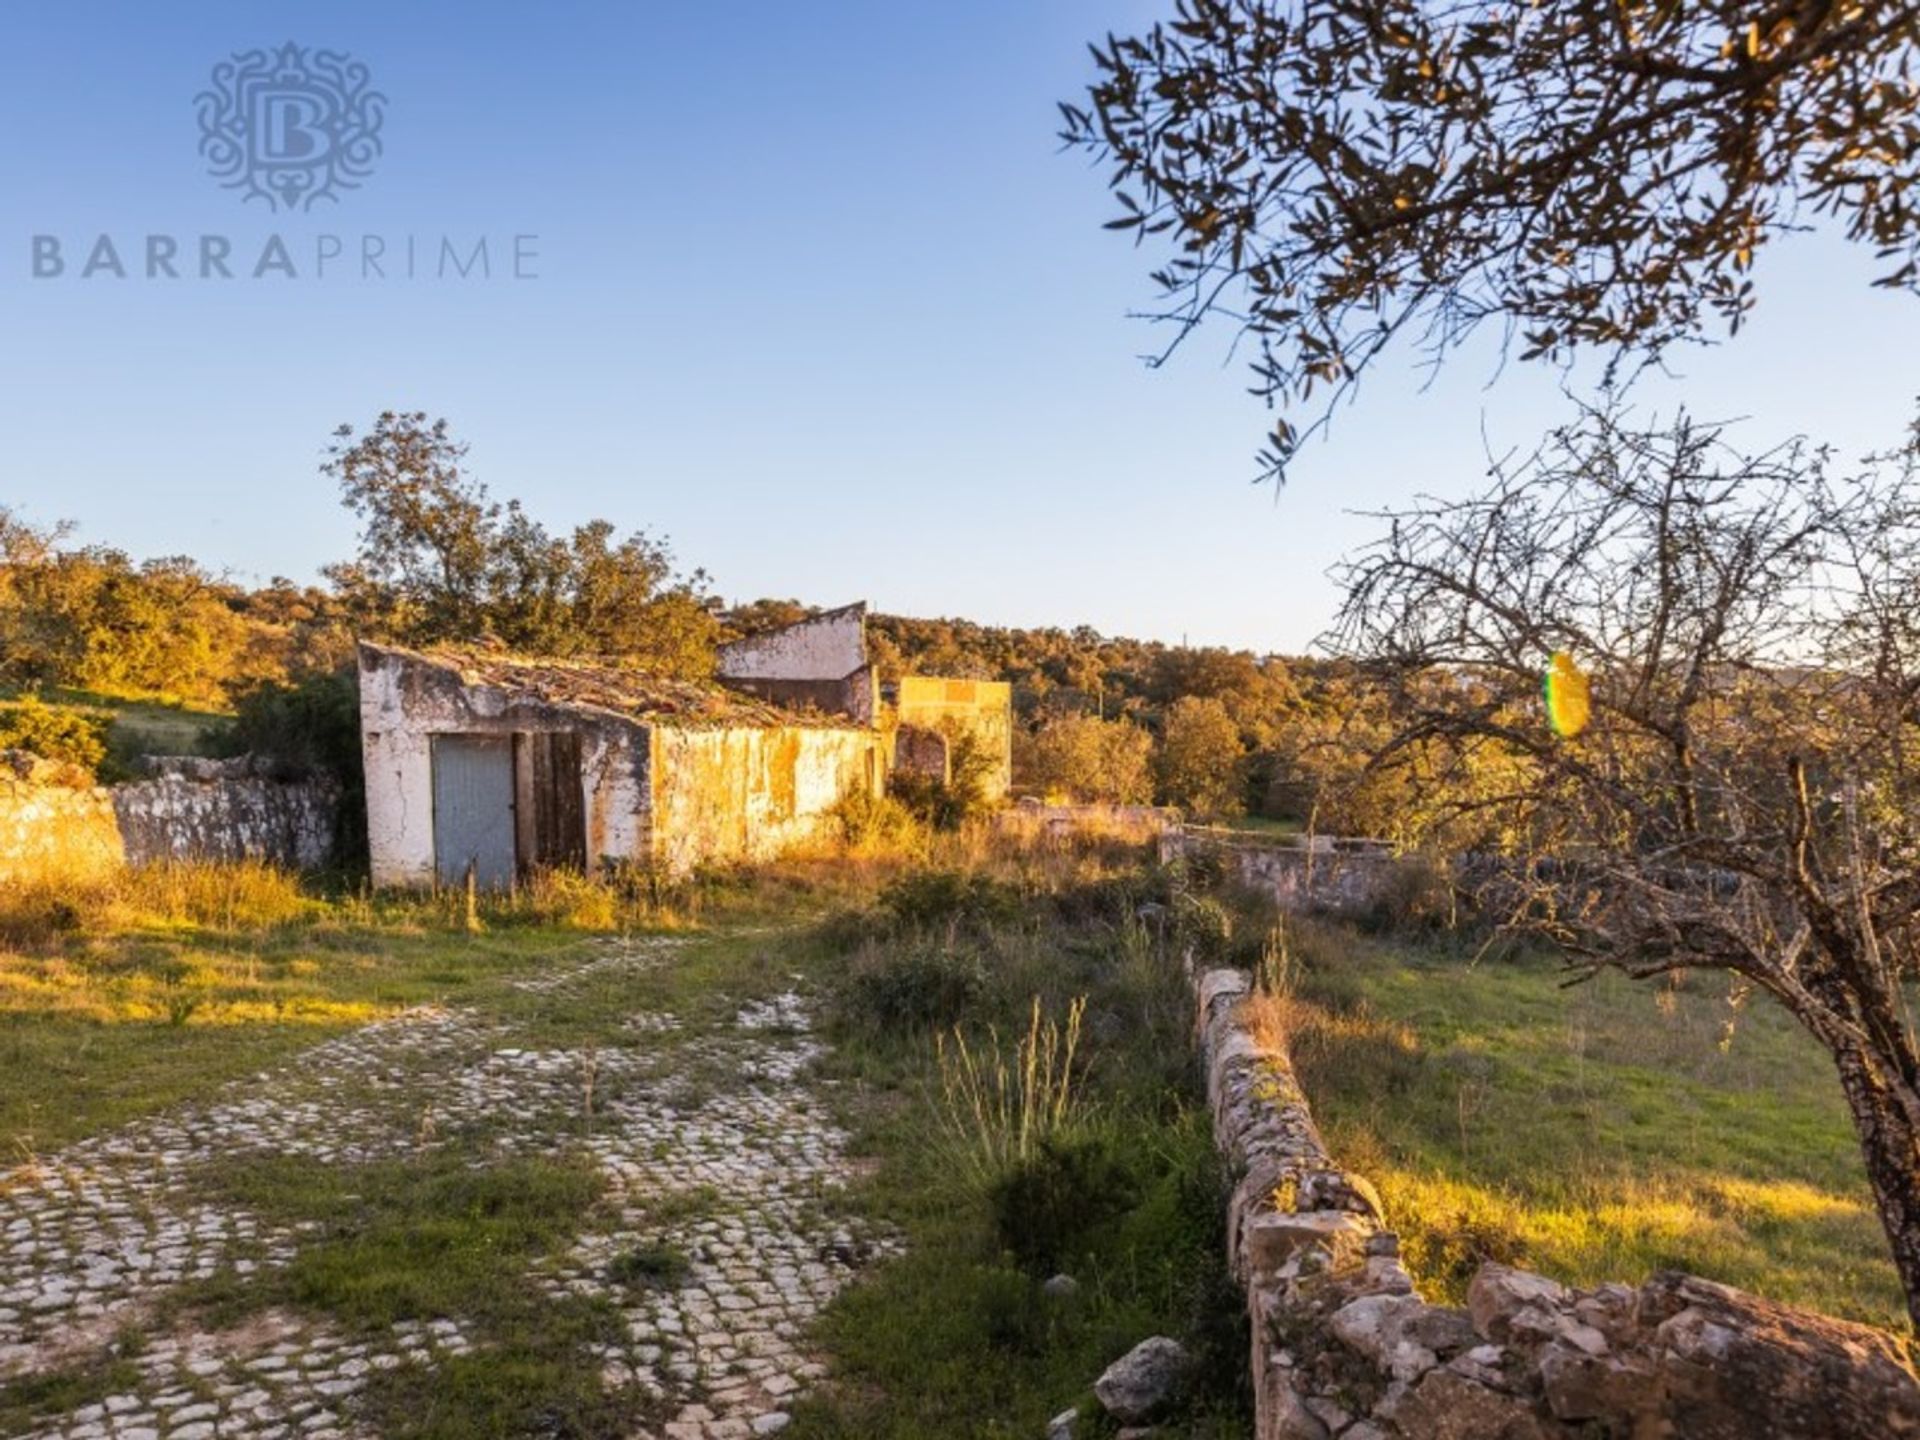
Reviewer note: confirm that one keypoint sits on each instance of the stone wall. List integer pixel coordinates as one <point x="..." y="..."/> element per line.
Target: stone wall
<point x="1322" y="874"/>
<point x="52" y="827"/>
<point x="53" y="824"/>
<point x="222" y="810"/>
<point x="1138" y="824"/>
<point x="1344" y="1346"/>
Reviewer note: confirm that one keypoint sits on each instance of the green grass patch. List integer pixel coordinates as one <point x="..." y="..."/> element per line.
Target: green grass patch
<point x="416" y="1239"/>
<point x="106" y="1029"/>
<point x="1598" y="1132"/>
<point x="451" y="1233"/>
<point x="27" y="1398"/>
<point x="655" y="1266"/>
<point x="1126" y="1194"/>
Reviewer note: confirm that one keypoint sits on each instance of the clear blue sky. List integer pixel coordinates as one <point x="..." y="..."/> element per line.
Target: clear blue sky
<point x="818" y="296"/>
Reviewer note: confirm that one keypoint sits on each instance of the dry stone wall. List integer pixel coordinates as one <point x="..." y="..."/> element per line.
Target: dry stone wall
<point x="1334" y="876"/>
<point x="223" y="810"/>
<point x="53" y="827"/>
<point x="1344" y="1346"/>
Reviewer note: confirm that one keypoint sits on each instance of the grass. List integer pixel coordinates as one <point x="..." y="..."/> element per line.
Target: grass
<point x="655" y="1266"/>
<point x="137" y="727"/>
<point x="133" y="992"/>
<point x="1121" y="1187"/>
<point x="160" y="985"/>
<point x="1596" y="1133"/>
<point x="1593" y="1133"/>
<point x="1265" y="825"/>
<point x="157" y="986"/>
<point x="451" y="1232"/>
<point x="25" y="1397"/>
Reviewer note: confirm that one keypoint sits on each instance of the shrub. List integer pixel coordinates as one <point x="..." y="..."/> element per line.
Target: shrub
<point x="1000" y="1109"/>
<point x="1415" y="898"/>
<point x="1045" y="1206"/>
<point x="73" y="737"/>
<point x="310" y="727"/>
<point x="962" y="797"/>
<point x="307" y="729"/>
<point x="914" y="986"/>
<point x="1204" y="925"/>
<point x="871" y="824"/>
<point x="923" y="899"/>
<point x="1111" y="899"/>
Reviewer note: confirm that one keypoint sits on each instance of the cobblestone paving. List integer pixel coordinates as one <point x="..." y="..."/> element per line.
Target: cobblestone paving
<point x="735" y="1168"/>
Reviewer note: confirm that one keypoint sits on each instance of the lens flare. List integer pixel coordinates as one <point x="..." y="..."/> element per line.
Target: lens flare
<point x="1566" y="691"/>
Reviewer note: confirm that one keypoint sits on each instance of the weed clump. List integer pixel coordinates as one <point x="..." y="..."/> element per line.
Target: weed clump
<point x="914" y="985"/>
<point x="1045" y="1206"/>
<point x="930" y="899"/>
<point x="655" y="1266"/>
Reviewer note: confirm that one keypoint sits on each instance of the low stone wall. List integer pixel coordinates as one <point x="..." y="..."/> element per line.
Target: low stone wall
<point x="222" y="810"/>
<point x="1142" y="824"/>
<point x="1343" y="1345"/>
<point x="1322" y="874"/>
<point x="53" y="827"/>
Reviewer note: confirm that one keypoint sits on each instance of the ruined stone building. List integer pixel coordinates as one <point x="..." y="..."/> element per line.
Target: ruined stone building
<point x="504" y="764"/>
<point x="823" y="661"/>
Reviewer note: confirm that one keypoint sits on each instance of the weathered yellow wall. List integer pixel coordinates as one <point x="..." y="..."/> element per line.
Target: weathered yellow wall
<point x="752" y="793"/>
<point x="983" y="708"/>
<point x="56" y="833"/>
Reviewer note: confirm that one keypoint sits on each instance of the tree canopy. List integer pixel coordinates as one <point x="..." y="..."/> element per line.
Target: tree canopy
<point x="1333" y="174"/>
<point x="440" y="560"/>
<point x="1745" y="797"/>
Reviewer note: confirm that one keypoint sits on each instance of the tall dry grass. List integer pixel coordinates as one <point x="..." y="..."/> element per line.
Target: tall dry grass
<point x="231" y="895"/>
<point x="998" y="1108"/>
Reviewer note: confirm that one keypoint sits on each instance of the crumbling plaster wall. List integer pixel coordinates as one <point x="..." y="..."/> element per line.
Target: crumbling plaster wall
<point x="982" y="708"/>
<point x="825" y="647"/>
<point x="50" y="830"/>
<point x="404" y="704"/>
<point x="750" y="793"/>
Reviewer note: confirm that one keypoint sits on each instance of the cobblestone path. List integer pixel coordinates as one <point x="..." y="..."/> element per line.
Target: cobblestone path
<point x="93" y="1237"/>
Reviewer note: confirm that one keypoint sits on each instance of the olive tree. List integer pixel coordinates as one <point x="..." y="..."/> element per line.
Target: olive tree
<point x="1746" y="796"/>
<point x="1328" y="175"/>
<point x="440" y="560"/>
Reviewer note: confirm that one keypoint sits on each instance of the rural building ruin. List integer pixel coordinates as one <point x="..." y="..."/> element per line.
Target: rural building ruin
<point x="499" y="765"/>
<point x="822" y="662"/>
